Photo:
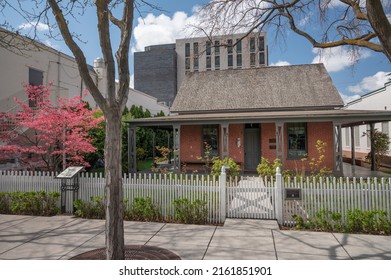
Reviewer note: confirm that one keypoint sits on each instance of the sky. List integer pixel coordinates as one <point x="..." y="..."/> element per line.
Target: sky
<point x="352" y="78"/>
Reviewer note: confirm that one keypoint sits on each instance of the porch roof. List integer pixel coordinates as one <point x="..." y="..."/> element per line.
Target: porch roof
<point x="344" y="117"/>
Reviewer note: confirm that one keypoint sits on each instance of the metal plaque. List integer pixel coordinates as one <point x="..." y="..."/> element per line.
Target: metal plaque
<point x="293" y="194"/>
<point x="70" y="172"/>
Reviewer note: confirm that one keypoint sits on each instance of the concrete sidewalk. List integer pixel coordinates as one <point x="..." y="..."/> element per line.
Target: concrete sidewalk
<point x="62" y="237"/>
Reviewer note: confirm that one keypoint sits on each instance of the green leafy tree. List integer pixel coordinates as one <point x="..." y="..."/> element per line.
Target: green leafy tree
<point x="381" y="145"/>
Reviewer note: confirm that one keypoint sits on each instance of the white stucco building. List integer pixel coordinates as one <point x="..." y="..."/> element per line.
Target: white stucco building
<point x="35" y="63"/>
<point x="24" y="61"/>
<point x="379" y="99"/>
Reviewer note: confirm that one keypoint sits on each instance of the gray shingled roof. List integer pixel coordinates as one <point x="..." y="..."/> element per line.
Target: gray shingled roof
<point x="295" y="87"/>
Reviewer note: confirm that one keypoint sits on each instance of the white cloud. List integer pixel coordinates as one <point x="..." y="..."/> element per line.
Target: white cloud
<point x="39" y="26"/>
<point x="349" y="98"/>
<point x="154" y="30"/>
<point x="332" y="3"/>
<point x="370" y="83"/>
<point x="162" y="29"/>
<point x="338" y="58"/>
<point x="131" y="82"/>
<point x="280" y="63"/>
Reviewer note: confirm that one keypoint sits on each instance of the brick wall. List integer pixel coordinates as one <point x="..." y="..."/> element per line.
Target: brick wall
<point x="236" y="153"/>
<point x="268" y="138"/>
<point x="191" y="143"/>
<point x="315" y="131"/>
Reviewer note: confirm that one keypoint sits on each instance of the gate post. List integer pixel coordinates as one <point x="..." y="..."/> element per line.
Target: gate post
<point x="279" y="200"/>
<point x="223" y="188"/>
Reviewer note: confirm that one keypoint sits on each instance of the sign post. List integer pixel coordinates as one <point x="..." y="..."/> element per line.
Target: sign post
<point x="69" y="182"/>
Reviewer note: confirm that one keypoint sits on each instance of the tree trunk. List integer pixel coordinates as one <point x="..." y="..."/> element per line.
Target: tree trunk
<point x="114" y="192"/>
<point x="380" y="24"/>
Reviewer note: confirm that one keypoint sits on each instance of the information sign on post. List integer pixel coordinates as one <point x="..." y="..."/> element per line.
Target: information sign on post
<point x="69" y="182"/>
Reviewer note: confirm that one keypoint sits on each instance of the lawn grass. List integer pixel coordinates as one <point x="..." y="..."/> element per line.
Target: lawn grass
<point x="145" y="164"/>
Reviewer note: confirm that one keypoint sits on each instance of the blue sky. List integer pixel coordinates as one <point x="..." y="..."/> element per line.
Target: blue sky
<point x="352" y="78"/>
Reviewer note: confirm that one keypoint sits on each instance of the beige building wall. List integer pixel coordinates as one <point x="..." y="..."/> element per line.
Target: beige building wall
<point x="56" y="67"/>
<point x="379" y="99"/>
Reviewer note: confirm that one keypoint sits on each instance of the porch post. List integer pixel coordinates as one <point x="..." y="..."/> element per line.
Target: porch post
<point x="338" y="161"/>
<point x="168" y="146"/>
<point x="177" y="148"/>
<point x="373" y="149"/>
<point x="153" y="144"/>
<point x="280" y="142"/>
<point x="353" y="148"/>
<point x="132" y="163"/>
<point x="224" y="140"/>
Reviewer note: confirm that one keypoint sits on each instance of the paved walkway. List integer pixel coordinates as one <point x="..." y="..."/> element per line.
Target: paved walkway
<point x="350" y="170"/>
<point x="62" y="237"/>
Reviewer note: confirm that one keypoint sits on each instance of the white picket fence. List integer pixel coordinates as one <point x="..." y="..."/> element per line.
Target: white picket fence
<point x="244" y="197"/>
<point x="337" y="195"/>
<point x="162" y="189"/>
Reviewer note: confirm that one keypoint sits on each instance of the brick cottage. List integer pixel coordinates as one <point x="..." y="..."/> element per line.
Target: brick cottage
<point x="246" y="114"/>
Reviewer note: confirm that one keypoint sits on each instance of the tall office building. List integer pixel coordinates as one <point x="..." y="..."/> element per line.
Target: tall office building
<point x="160" y="69"/>
<point x="155" y="71"/>
<point x="236" y="51"/>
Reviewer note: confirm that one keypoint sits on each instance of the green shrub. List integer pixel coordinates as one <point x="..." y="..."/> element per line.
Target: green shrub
<point x="191" y="212"/>
<point x="142" y="209"/>
<point x="267" y="169"/>
<point x="141" y="153"/>
<point x="328" y="221"/>
<point x="357" y="221"/>
<point x="370" y="221"/>
<point x="29" y="203"/>
<point x="233" y="170"/>
<point x="5" y="207"/>
<point x="93" y="209"/>
<point x="300" y="223"/>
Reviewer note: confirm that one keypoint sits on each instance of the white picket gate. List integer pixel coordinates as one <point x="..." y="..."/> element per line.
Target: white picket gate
<point x="250" y="198"/>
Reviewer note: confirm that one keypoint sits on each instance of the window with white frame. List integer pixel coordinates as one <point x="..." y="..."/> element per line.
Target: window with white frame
<point x="357" y="136"/>
<point x="297" y="140"/>
<point x="210" y="136"/>
<point x="187" y="57"/>
<point x="208" y="53"/>
<point x="217" y="55"/>
<point x="238" y="53"/>
<point x="252" y="51"/>
<point x="347" y="136"/>
<point x="262" y="58"/>
<point x="230" y="53"/>
<point x="385" y="128"/>
<point x="195" y="56"/>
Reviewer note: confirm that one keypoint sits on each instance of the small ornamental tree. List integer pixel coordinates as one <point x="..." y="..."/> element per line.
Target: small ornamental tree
<point x="381" y="144"/>
<point x="48" y="135"/>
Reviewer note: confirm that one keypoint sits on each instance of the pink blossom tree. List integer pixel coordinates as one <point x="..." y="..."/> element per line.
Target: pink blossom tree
<point x="50" y="135"/>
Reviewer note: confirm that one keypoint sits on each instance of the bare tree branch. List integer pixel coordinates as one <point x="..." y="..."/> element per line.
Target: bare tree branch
<point x="77" y="52"/>
<point x="346" y="24"/>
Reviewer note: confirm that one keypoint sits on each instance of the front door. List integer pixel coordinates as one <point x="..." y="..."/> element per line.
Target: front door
<point x="252" y="146"/>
